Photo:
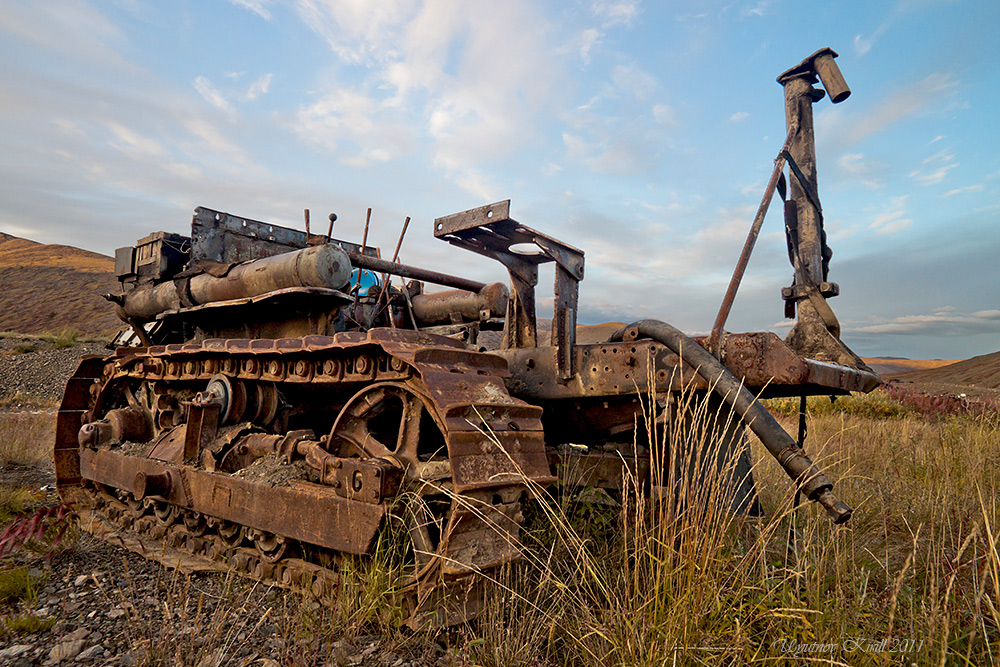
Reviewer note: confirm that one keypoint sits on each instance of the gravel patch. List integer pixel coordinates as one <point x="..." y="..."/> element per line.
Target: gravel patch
<point x="37" y="370"/>
<point x="110" y="607"/>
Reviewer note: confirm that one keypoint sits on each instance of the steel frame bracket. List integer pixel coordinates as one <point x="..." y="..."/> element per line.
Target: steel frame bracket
<point x="490" y="231"/>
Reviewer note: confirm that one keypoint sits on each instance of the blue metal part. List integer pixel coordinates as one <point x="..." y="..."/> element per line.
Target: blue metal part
<point x="368" y="280"/>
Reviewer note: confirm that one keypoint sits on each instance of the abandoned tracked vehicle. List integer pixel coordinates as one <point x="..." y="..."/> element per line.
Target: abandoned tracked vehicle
<point x="276" y="402"/>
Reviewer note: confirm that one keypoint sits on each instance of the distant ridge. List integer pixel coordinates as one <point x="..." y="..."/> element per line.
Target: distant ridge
<point x="982" y="371"/>
<point x="892" y="365"/>
<point x="45" y="288"/>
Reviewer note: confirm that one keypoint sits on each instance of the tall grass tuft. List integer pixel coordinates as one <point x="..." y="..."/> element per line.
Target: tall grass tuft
<point x="678" y="579"/>
<point x="26" y="437"/>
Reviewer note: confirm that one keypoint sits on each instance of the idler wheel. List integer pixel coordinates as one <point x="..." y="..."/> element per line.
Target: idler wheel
<point x="232" y="394"/>
<point x="396" y="421"/>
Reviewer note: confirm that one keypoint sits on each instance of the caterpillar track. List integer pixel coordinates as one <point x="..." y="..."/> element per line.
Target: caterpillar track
<point x="317" y="446"/>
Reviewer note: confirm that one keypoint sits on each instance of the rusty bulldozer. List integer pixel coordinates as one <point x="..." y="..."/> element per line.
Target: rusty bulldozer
<point x="275" y="402"/>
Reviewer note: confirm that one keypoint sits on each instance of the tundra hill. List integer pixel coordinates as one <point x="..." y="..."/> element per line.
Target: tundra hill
<point x="45" y="288"/>
<point x="895" y="365"/>
<point x="982" y="371"/>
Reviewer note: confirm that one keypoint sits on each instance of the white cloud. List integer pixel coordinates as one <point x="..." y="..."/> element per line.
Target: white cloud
<point x="212" y="94"/>
<point x="969" y="188"/>
<point x="856" y="167"/>
<point x="846" y="128"/>
<point x="259" y="87"/>
<point x="952" y="323"/>
<point x="615" y="12"/>
<point x="739" y="116"/>
<point x="758" y="9"/>
<point x="633" y="80"/>
<point x="344" y="122"/>
<point x="208" y="136"/>
<point x="472" y="75"/>
<point x="258" y="7"/>
<point x="935" y="168"/>
<point x="664" y="114"/>
<point x="892" y="220"/>
<point x="70" y="28"/>
<point x="132" y="143"/>
<point x="587" y="40"/>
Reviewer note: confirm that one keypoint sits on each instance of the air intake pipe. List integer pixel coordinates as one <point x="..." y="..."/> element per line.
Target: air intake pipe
<point x="782" y="446"/>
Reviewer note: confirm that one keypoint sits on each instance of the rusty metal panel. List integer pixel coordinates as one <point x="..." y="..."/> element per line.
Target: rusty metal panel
<point x="840" y="377"/>
<point x="760" y="358"/>
<point x="600" y="469"/>
<point x="482" y="536"/>
<point x="307" y="512"/>
<point x="617" y="369"/>
<point x="479" y="461"/>
<point x="77" y="391"/>
<point x="228" y="238"/>
<point x="474" y="217"/>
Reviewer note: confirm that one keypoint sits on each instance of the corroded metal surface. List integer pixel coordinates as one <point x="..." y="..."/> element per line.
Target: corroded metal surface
<point x="490" y="444"/>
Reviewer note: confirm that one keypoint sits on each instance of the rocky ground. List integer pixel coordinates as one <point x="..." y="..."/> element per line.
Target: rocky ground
<point x="35" y="369"/>
<point x="108" y="606"/>
<point x="112" y="607"/>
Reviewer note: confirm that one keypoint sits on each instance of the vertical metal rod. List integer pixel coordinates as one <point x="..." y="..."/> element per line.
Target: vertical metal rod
<point x="364" y="246"/>
<point x="741" y="265"/>
<point x="395" y="258"/>
<point x="305" y="212"/>
<point x="364" y="239"/>
<point x="399" y="243"/>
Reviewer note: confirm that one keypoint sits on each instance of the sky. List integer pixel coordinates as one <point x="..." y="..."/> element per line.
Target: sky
<point x="640" y="132"/>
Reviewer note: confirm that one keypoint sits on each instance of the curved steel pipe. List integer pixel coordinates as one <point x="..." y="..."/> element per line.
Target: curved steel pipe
<point x="782" y="446"/>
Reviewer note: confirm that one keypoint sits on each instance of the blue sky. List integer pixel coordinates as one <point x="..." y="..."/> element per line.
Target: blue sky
<point x="640" y="132"/>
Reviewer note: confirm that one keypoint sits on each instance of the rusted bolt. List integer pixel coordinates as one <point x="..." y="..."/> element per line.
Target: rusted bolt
<point x="358" y="480"/>
<point x="363" y="365"/>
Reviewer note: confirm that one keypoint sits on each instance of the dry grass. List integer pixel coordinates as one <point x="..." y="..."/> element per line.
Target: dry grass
<point x="26" y="437"/>
<point x="670" y="579"/>
<point x="914" y="577"/>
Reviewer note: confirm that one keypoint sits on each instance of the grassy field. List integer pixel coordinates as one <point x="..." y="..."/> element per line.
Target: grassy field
<point x="913" y="578"/>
